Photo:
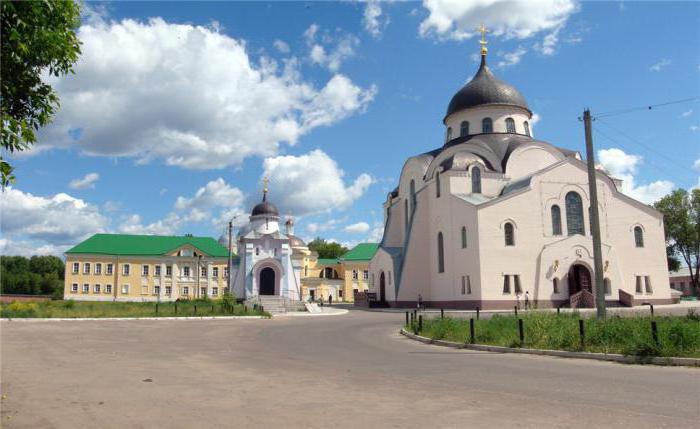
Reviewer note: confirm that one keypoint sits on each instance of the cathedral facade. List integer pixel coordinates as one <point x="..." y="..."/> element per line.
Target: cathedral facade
<point x="494" y="215"/>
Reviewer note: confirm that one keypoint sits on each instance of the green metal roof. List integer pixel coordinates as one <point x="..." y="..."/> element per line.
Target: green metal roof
<point x="326" y="261"/>
<point x="361" y="252"/>
<point x="146" y="245"/>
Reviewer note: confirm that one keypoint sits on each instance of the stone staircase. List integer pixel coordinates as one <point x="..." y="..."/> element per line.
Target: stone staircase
<point x="276" y="304"/>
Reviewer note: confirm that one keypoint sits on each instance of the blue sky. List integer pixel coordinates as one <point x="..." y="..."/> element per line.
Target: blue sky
<point x="177" y="110"/>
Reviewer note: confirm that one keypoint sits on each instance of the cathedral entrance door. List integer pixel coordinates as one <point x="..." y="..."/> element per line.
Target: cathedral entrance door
<point x="267" y="281"/>
<point x="579" y="279"/>
<point x="382" y="288"/>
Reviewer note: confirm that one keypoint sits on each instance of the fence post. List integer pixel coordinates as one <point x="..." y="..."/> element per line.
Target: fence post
<point x="558" y="310"/>
<point x="212" y="308"/>
<point x="156" y="308"/>
<point x="654" y="333"/>
<point x="442" y="313"/>
<point x="195" y="309"/>
<point x="651" y="307"/>
<point x="175" y="307"/>
<point x="477" y="313"/>
<point x="515" y="308"/>
<point x="521" y="331"/>
<point x="420" y="323"/>
<point x="471" y="331"/>
<point x="407" y="318"/>
<point x="582" y="333"/>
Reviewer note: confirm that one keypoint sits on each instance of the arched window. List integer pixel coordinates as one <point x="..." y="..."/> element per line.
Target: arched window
<point x="510" y="125"/>
<point x="509" y="234"/>
<point x="607" y="287"/>
<point x="638" y="236"/>
<point x="476" y="180"/>
<point x="556" y="220"/>
<point x="448" y="135"/>
<point x="464" y="237"/>
<point x="526" y="124"/>
<point x="441" y="254"/>
<point x="437" y="184"/>
<point x="574" y="214"/>
<point x="487" y="125"/>
<point x="413" y="195"/>
<point x="555" y="285"/>
<point x="464" y="129"/>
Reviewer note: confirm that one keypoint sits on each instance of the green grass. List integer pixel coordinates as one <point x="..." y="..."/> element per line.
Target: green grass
<point x="78" y="309"/>
<point x="678" y="336"/>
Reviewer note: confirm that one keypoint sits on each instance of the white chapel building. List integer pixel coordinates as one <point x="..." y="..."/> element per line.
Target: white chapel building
<point x="265" y="265"/>
<point x="494" y="213"/>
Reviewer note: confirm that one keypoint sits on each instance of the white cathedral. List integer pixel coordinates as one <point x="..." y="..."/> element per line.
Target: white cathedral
<point x="493" y="214"/>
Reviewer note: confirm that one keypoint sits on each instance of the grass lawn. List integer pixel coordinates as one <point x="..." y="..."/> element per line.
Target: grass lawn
<point x="77" y="309"/>
<point x="678" y="336"/>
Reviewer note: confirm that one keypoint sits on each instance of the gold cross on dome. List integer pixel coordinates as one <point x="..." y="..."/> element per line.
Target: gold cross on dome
<point x="265" y="181"/>
<point x="483" y="30"/>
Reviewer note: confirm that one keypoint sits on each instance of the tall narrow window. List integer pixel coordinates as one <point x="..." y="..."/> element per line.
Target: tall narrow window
<point x="413" y="195"/>
<point x="527" y="128"/>
<point x="469" y="285"/>
<point x="607" y="287"/>
<point x="509" y="234"/>
<point x="464" y="129"/>
<point x="647" y="284"/>
<point x="510" y="125"/>
<point x="638" y="285"/>
<point x="506" y="284"/>
<point x="405" y="212"/>
<point x="555" y="285"/>
<point x="487" y="125"/>
<point x="574" y="214"/>
<point x="464" y="237"/>
<point x="441" y="253"/>
<point x="476" y="180"/>
<point x="638" y="236"/>
<point x="516" y="280"/>
<point x="464" y="285"/>
<point x="437" y="184"/>
<point x="556" y="220"/>
<point x="448" y="134"/>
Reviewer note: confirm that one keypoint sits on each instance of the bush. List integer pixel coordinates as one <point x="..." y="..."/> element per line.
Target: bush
<point x="19" y="309"/>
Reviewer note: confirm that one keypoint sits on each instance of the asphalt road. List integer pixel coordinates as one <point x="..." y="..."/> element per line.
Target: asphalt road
<point x="336" y="371"/>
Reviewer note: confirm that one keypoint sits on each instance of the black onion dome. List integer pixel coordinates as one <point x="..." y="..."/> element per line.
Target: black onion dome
<point x="485" y="88"/>
<point x="265" y="208"/>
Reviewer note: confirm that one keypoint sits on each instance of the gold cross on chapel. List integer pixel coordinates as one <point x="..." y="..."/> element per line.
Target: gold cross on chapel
<point x="265" y="181"/>
<point x="483" y="30"/>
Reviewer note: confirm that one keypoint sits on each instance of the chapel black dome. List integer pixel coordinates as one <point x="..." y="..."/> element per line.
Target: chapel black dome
<point x="265" y="208"/>
<point x="484" y="89"/>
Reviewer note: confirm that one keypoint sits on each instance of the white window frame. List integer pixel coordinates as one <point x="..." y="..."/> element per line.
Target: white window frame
<point x="203" y="272"/>
<point x="168" y="271"/>
<point x="185" y="290"/>
<point x="86" y="268"/>
<point x="215" y="272"/>
<point x="156" y="290"/>
<point x="126" y="269"/>
<point x="355" y="275"/>
<point x="74" y="288"/>
<point x="365" y="275"/>
<point x="96" y="288"/>
<point x="108" y="288"/>
<point x="76" y="267"/>
<point x="214" y="291"/>
<point x="168" y="290"/>
<point x="125" y="289"/>
<point x="109" y="270"/>
<point x="86" y="287"/>
<point x="145" y="270"/>
<point x="202" y="291"/>
<point x="98" y="268"/>
<point x="156" y="270"/>
<point x="186" y="271"/>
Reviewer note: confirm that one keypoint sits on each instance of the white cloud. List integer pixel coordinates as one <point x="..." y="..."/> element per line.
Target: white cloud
<point x="549" y="42"/>
<point x="28" y="248"/>
<point x="357" y="228"/>
<point x="87" y="182"/>
<point x="687" y="113"/>
<point x="372" y="19"/>
<point x="696" y="164"/>
<point x="375" y="236"/>
<point x="59" y="220"/>
<point x="694" y="128"/>
<point x="217" y="194"/>
<point x="661" y="64"/>
<point x="511" y="58"/>
<point x="311" y="183"/>
<point x="168" y="226"/>
<point x="458" y="19"/>
<point x="281" y="46"/>
<point x="624" y="166"/>
<point x="330" y="50"/>
<point x="187" y="95"/>
<point x="535" y="118"/>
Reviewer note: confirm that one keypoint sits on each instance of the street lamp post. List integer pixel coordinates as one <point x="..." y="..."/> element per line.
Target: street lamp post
<point x="230" y="253"/>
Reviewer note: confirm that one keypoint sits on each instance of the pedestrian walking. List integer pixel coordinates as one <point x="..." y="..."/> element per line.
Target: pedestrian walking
<point x="517" y="300"/>
<point x="527" y="300"/>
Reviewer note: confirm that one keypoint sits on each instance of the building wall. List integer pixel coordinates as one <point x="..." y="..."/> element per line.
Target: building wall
<point x="143" y="287"/>
<point x="498" y="115"/>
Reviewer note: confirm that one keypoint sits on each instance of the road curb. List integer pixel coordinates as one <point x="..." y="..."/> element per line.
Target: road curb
<point x="65" y="319"/>
<point x="653" y="360"/>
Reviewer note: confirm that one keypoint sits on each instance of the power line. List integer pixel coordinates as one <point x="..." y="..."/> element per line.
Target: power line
<point x="653" y="164"/>
<point x="647" y="107"/>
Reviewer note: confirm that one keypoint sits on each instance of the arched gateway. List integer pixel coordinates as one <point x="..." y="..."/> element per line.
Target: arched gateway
<point x="579" y="279"/>
<point x="267" y="281"/>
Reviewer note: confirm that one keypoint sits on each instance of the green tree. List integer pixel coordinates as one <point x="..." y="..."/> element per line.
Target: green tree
<point x="38" y="38"/>
<point x="326" y="249"/>
<point x="37" y="275"/>
<point x="681" y="210"/>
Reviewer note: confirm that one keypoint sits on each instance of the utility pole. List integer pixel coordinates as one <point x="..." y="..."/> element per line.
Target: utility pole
<point x="595" y="219"/>
<point x="230" y="257"/>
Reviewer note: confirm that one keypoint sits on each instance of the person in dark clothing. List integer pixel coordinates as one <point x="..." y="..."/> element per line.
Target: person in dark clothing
<point x="330" y="299"/>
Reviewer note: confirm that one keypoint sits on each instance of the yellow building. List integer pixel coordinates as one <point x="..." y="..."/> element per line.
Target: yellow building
<point x="117" y="267"/>
<point x="339" y="277"/>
